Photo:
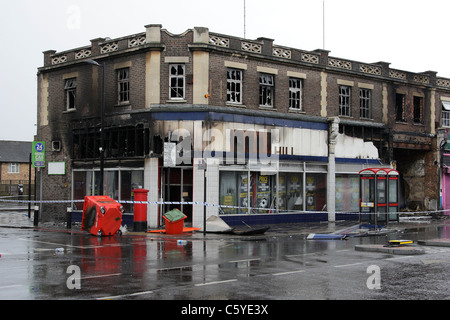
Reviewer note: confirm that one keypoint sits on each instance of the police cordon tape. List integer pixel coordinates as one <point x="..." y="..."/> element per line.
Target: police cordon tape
<point x="213" y="205"/>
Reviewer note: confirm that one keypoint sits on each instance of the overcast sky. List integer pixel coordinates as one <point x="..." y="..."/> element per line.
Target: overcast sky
<point x="410" y="34"/>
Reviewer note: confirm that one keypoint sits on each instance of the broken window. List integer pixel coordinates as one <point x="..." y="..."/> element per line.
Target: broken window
<point x="295" y="93"/>
<point x="400" y="114"/>
<point x="266" y="90"/>
<point x="70" y="90"/>
<point x="234" y="86"/>
<point x="344" y="101"/>
<point x="365" y="96"/>
<point x="177" y="81"/>
<point x="119" y="142"/>
<point x="418" y="109"/>
<point x="123" y="85"/>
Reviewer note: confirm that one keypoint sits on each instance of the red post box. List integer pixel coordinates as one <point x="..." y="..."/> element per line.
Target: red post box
<point x="140" y="210"/>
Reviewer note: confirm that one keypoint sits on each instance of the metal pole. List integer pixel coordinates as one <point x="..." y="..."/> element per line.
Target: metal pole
<point x="204" y="199"/>
<point x="29" y="188"/>
<point x="102" y="132"/>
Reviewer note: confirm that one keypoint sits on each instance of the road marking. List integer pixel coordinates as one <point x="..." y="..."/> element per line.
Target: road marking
<point x="245" y="260"/>
<point x="287" y="272"/>
<point x="398" y="258"/>
<point x="213" y="282"/>
<point x="11" y="286"/>
<point x="348" y="265"/>
<point x="102" y="276"/>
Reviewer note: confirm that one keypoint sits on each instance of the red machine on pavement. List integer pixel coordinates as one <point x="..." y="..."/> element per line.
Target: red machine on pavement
<point x="102" y="216"/>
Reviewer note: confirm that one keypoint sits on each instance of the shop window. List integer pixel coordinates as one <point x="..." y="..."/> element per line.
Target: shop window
<point x="86" y="183"/>
<point x="290" y="191"/>
<point x="316" y="192"/>
<point x="347" y="193"/>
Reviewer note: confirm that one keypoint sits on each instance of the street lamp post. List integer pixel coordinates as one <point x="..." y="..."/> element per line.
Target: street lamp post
<point x="102" y="125"/>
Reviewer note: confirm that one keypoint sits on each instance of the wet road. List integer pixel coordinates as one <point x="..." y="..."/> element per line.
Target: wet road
<point x="275" y="267"/>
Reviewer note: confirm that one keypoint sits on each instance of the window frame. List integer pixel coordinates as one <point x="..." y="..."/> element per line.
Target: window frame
<point x="13" y="167"/>
<point x="266" y="90"/>
<point x="296" y="94"/>
<point x="345" y="101"/>
<point x="70" y="94"/>
<point x="399" y="118"/>
<point x="418" y="108"/>
<point x="123" y="85"/>
<point x="174" y="90"/>
<point x="365" y="103"/>
<point x="237" y="84"/>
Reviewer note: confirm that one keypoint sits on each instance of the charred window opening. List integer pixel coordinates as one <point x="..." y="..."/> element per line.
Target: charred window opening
<point x="123" y="142"/>
<point x="344" y="101"/>
<point x="400" y="114"/>
<point x="123" y="85"/>
<point x="70" y="93"/>
<point x="266" y="90"/>
<point x="295" y="93"/>
<point x="234" y="86"/>
<point x="177" y="81"/>
<point x="418" y="109"/>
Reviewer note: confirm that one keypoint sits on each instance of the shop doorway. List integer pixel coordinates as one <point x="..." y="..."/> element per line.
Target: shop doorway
<point x="177" y="187"/>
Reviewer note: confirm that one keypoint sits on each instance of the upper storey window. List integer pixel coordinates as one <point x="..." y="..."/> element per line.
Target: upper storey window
<point x="123" y="85"/>
<point x="234" y="86"/>
<point x="177" y="80"/>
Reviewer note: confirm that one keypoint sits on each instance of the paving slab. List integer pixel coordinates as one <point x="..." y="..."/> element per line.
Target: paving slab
<point x="401" y="250"/>
<point x="435" y="242"/>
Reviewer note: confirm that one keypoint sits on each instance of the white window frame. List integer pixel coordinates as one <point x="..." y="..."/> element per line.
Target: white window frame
<point x="123" y="85"/>
<point x="13" y="167"/>
<point x="175" y="87"/>
<point x="295" y="93"/>
<point x="266" y="90"/>
<point x="234" y="85"/>
<point x="70" y="93"/>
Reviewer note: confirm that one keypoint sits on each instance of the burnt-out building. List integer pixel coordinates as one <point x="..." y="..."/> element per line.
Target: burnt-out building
<point x="259" y="131"/>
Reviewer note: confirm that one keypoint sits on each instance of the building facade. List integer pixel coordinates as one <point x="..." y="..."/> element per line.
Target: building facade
<point x="258" y="131"/>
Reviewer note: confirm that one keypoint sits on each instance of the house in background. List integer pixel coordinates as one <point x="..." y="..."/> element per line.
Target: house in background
<point x="14" y="167"/>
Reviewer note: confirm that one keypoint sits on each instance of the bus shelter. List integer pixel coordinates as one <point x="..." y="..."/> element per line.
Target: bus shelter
<point x="378" y="202"/>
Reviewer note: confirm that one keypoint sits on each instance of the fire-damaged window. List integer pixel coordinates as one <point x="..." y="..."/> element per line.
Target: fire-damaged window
<point x="119" y="142"/>
<point x="344" y="101"/>
<point x="234" y="86"/>
<point x="266" y="90"/>
<point x="177" y="81"/>
<point x="295" y="93"/>
<point x="70" y="93"/>
<point x="123" y="85"/>
<point x="365" y="97"/>
<point x="418" y="109"/>
<point x="400" y="114"/>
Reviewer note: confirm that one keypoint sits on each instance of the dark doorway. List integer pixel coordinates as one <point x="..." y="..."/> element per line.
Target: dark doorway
<point x="178" y="188"/>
